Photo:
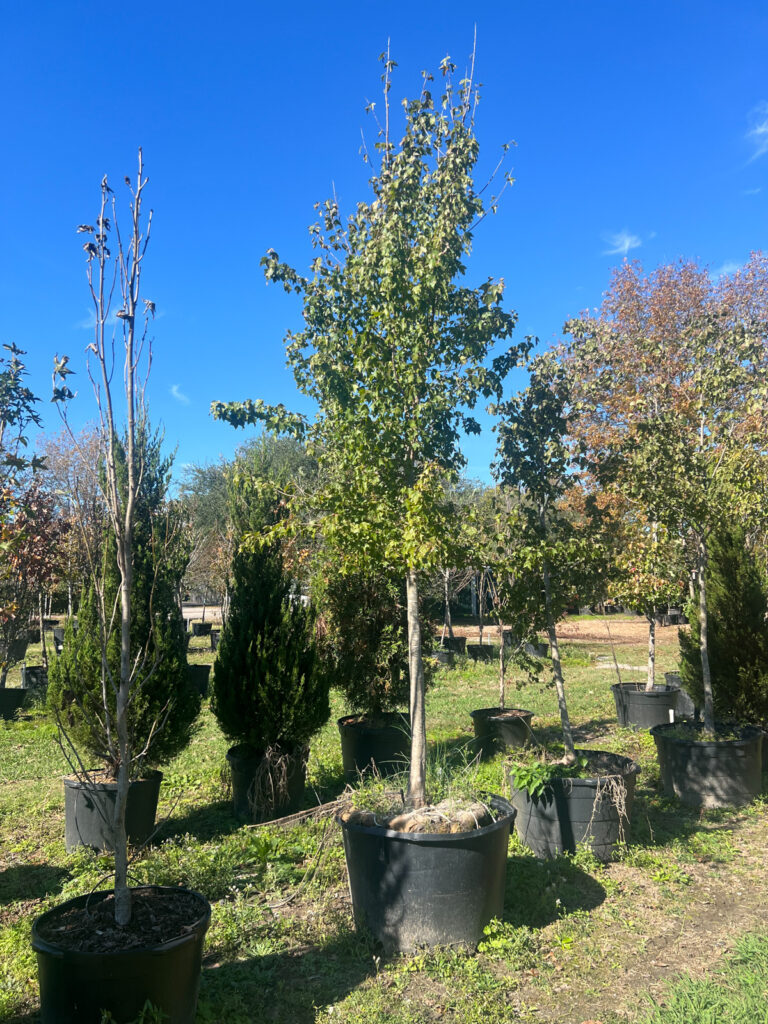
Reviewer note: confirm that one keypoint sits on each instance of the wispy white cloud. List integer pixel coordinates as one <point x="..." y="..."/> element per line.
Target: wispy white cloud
<point x="620" y="243"/>
<point x="758" y="133"/>
<point x="178" y="395"/>
<point x="752" y="191"/>
<point x="89" y="321"/>
<point x="725" y="270"/>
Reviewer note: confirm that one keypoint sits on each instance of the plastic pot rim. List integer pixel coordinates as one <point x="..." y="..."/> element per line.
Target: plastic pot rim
<point x="437" y="838"/>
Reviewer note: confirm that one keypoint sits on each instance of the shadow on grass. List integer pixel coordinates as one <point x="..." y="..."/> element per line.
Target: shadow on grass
<point x="30" y="882"/>
<point x="204" y="823"/>
<point x="287" y="987"/>
<point x="539" y="892"/>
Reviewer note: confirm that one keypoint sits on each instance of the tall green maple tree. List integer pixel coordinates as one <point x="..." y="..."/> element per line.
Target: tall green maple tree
<point x="395" y="353"/>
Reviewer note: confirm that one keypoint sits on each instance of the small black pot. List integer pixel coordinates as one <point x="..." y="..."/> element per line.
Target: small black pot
<point x="636" y="706"/>
<point x="18" y="649"/>
<point x="244" y="765"/>
<point x="573" y="811"/>
<point x="710" y="773"/>
<point x="201" y="628"/>
<point x="75" y="988"/>
<point x="199" y="676"/>
<point x="410" y="889"/>
<point x="482" y="652"/>
<point x="457" y="644"/>
<point x="12" y="699"/>
<point x="494" y="731"/>
<point x="382" y="745"/>
<point x="444" y="657"/>
<point x="89" y="812"/>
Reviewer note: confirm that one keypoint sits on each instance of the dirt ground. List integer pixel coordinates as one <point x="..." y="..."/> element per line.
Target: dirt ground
<point x="620" y="629"/>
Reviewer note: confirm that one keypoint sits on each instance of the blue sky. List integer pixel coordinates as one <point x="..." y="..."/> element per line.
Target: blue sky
<point x="641" y="131"/>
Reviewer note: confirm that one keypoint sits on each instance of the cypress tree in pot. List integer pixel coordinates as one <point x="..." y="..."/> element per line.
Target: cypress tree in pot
<point x="270" y="694"/>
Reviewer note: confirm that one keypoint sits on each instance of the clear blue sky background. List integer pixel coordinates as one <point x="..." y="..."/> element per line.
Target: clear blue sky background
<point x="641" y="130"/>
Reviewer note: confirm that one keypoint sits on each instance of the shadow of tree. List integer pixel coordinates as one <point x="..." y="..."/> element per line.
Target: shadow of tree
<point x="208" y="822"/>
<point x="30" y="882"/>
<point x="539" y="892"/>
<point x="286" y="987"/>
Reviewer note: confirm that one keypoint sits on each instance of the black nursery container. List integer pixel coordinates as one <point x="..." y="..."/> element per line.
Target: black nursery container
<point x="414" y="889"/>
<point x="710" y="772"/>
<point x="382" y="745"/>
<point x="75" y="988"/>
<point x="573" y="811"/>
<point x="497" y="729"/>
<point x="636" y="706"/>
<point x="12" y="699"/>
<point x="89" y="810"/>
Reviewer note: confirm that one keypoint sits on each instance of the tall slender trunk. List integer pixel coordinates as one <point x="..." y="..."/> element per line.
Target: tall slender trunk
<point x="651" y="650"/>
<point x="41" y="616"/>
<point x="502" y="664"/>
<point x="69" y="599"/>
<point x="417" y="791"/>
<point x="557" y="669"/>
<point x="709" y="705"/>
<point x="447" y="623"/>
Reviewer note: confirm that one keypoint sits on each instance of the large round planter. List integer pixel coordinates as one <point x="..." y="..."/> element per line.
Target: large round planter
<point x="89" y="810"/>
<point x="244" y="766"/>
<point x="75" y="988"/>
<point x="382" y="745"/>
<point x="12" y="699"/>
<point x="641" y="708"/>
<point x="574" y="811"/>
<point x="710" y="773"/>
<point x="457" y="644"/>
<point x="444" y="657"/>
<point x="201" y="628"/>
<point x="411" y="889"/>
<point x="497" y="729"/>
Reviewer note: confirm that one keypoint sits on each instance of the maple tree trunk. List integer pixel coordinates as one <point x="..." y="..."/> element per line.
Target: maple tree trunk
<point x="709" y="705"/>
<point x="557" y="670"/>
<point x="651" y="651"/>
<point x="417" y="796"/>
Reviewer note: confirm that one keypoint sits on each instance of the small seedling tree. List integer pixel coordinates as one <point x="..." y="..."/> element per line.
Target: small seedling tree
<point x="534" y="459"/>
<point x="393" y="351"/>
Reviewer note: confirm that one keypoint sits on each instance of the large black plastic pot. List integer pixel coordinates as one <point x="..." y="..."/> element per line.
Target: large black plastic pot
<point x="411" y="889"/>
<point x="381" y="745"/>
<point x="199" y="676"/>
<point x="215" y="635"/>
<point x="75" y="988"/>
<point x="245" y="765"/>
<point x="35" y="679"/>
<point x="457" y="644"/>
<point x="573" y="811"/>
<point x="710" y="773"/>
<point x="89" y="810"/>
<point x="12" y="699"/>
<point x="636" y="706"/>
<point x="482" y="652"/>
<point x="497" y="729"/>
<point x="201" y="628"/>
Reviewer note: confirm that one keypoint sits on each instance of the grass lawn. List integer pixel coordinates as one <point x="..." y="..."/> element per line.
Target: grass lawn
<point x="578" y="942"/>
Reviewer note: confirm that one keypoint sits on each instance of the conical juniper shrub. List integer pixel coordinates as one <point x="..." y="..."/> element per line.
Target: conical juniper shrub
<point x="270" y="694"/>
<point x="737" y="633"/>
<point x="164" y="704"/>
<point x="363" y="638"/>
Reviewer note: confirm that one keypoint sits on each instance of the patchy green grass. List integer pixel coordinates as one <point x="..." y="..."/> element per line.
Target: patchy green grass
<point x="578" y="941"/>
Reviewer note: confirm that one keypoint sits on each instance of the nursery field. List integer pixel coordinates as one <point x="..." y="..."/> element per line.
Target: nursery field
<point x="672" y="931"/>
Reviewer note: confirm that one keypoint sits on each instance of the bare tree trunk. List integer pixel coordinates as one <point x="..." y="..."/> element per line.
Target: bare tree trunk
<point x="651" y="650"/>
<point x="69" y="599"/>
<point x="502" y="665"/>
<point x="557" y="670"/>
<point x="447" y="623"/>
<point x="417" y="794"/>
<point x="709" y="705"/>
<point x="481" y="603"/>
<point x="41" y="616"/>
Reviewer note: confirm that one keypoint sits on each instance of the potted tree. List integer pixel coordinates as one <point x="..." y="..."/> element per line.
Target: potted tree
<point x="101" y="952"/>
<point x="393" y="353"/>
<point x="586" y="796"/>
<point x="364" y="647"/>
<point x="269" y="693"/>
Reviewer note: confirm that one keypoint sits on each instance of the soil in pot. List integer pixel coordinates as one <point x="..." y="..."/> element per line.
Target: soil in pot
<point x="702" y="771"/>
<point x="641" y="708"/>
<point x="264" y="788"/>
<point x="89" y="810"/>
<point x="374" y="745"/>
<point x="86" y="965"/>
<point x="497" y="729"/>
<point x="595" y="811"/>
<point x="413" y="889"/>
<point x="12" y="700"/>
